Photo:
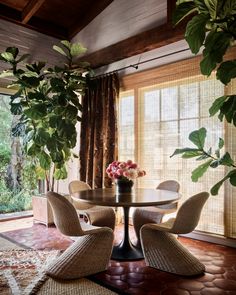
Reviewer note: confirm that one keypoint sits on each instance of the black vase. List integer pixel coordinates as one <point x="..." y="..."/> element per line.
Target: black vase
<point x="124" y="186"/>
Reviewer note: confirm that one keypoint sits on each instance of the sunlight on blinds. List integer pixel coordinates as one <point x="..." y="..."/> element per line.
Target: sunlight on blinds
<point x="126" y="126"/>
<point x="230" y="191"/>
<point x="166" y="114"/>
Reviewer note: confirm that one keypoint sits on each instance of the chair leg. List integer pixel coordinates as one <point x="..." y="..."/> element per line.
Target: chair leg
<point x="143" y="216"/>
<point x="163" y="251"/>
<point x="88" y="255"/>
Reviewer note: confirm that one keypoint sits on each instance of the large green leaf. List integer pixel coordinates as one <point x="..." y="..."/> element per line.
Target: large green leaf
<point x="57" y="156"/>
<point x="30" y="82"/>
<point x="32" y="149"/>
<point x="184" y="150"/>
<point x="191" y="154"/>
<point x="7" y="56"/>
<point x="226" y="160"/>
<point x="195" y="32"/>
<point x="41" y="137"/>
<point x="221" y="143"/>
<point x="212" y="7"/>
<point x="40" y="172"/>
<point x="198" y="137"/>
<point x="77" y="49"/>
<point x="183" y="10"/>
<point x="6" y="73"/>
<point x="66" y="43"/>
<point x="227" y="8"/>
<point x="200" y="170"/>
<point x="202" y="8"/>
<point x="71" y="112"/>
<point x="216" y="44"/>
<point x="226" y="71"/>
<point x="36" y="112"/>
<point x="215" y="164"/>
<point x="229" y="108"/>
<point x="60" y="50"/>
<point x="217" y="104"/>
<point x="60" y="173"/>
<point x="216" y="187"/>
<point x="232" y="178"/>
<point x="36" y="96"/>
<point x="13" y="50"/>
<point x="57" y="84"/>
<point x="44" y="160"/>
<point x="53" y="120"/>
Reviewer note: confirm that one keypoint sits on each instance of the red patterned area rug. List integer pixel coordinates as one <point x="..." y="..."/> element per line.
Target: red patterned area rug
<point x="21" y="270"/>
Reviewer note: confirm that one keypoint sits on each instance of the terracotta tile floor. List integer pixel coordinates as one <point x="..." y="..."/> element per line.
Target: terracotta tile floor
<point x="136" y="278"/>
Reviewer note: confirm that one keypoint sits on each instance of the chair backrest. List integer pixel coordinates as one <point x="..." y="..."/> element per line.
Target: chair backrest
<point x="169" y="185"/>
<point x="78" y="185"/>
<point x="189" y="213"/>
<point x="65" y="215"/>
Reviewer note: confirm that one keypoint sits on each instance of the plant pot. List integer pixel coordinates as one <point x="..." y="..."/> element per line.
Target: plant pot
<point x="42" y="211"/>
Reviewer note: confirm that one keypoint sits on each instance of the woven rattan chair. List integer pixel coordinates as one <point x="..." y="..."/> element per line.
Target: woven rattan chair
<point x="142" y="216"/>
<point x="161" y="248"/>
<point x="96" y="215"/>
<point x="91" y="251"/>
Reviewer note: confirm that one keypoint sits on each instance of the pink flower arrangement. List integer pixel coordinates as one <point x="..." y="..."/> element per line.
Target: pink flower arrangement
<point x="124" y="170"/>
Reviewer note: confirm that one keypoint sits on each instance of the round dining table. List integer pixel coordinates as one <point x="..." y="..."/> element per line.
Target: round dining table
<point x="139" y="197"/>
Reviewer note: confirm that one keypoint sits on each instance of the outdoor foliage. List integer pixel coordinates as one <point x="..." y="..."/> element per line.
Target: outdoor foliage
<point x="47" y="103"/>
<point x="213" y="27"/>
<point x="12" y="200"/>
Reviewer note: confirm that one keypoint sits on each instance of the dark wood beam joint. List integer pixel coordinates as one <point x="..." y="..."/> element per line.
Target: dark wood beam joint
<point x="34" y="23"/>
<point x="9" y="13"/>
<point x="84" y="20"/>
<point x="30" y="9"/>
<point x="171" y="5"/>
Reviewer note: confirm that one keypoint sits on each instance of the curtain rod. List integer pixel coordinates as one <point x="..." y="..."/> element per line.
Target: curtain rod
<point x="136" y="65"/>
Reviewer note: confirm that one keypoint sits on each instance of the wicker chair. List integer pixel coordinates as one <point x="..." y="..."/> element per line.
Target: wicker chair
<point x="91" y="251"/>
<point x="96" y="215"/>
<point x="142" y="216"/>
<point x="161" y="248"/>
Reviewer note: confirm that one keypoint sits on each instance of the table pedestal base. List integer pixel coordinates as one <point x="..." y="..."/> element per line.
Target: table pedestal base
<point x="126" y="250"/>
<point x="126" y="253"/>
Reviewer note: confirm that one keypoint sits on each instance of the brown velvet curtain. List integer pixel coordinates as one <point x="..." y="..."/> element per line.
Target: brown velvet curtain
<point x="98" y="137"/>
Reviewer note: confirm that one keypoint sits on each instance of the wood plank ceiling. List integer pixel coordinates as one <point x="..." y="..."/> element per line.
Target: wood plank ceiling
<point x="64" y="19"/>
<point x="58" y="18"/>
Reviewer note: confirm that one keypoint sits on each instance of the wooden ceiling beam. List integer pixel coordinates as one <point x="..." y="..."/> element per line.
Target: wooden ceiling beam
<point x="143" y="42"/>
<point x="30" y="9"/>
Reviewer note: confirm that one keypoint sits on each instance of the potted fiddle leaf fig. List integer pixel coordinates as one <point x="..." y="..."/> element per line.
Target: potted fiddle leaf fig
<point x="213" y="28"/>
<point x="47" y="105"/>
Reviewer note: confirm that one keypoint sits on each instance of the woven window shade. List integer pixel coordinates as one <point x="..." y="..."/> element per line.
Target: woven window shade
<point x="126" y="126"/>
<point x="165" y="111"/>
